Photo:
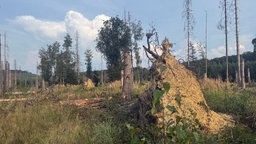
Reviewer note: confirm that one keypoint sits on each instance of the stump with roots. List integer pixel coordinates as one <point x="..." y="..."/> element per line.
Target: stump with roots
<point x="184" y="85"/>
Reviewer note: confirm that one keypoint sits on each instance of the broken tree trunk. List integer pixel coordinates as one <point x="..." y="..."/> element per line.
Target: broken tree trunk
<point x="127" y="77"/>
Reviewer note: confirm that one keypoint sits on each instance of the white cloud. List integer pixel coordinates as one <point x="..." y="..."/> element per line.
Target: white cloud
<point x="74" y="21"/>
<point x="88" y="29"/>
<point x="41" y="28"/>
<point x="45" y="30"/>
<point x="221" y="51"/>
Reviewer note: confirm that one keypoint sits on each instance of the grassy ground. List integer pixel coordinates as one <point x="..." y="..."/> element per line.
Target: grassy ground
<point x="44" y="120"/>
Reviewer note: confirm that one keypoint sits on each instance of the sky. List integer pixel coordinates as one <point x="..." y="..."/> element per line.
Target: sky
<point x="33" y="24"/>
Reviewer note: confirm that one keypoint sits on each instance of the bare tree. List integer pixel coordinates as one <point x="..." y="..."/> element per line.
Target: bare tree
<point x="189" y="25"/>
<point x="237" y="45"/>
<point x="205" y="48"/>
<point x="77" y="61"/>
<point x="224" y="5"/>
<point x="242" y="75"/>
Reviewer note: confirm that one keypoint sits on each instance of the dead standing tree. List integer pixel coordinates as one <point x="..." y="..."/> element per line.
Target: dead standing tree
<point x="189" y="26"/>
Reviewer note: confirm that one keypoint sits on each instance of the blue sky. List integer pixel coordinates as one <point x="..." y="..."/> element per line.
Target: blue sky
<point x="32" y="24"/>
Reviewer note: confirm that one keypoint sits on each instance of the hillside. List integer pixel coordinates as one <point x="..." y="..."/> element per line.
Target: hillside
<point x="217" y="66"/>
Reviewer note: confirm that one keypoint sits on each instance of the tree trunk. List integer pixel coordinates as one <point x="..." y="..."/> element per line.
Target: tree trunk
<point x="6" y="77"/>
<point x="15" y="76"/>
<point x="242" y="77"/>
<point x="237" y="46"/>
<point x="1" y="67"/>
<point x="127" y="79"/>
<point x="43" y="84"/>
<point x="249" y="76"/>
<point x="226" y="40"/>
<point x="237" y="78"/>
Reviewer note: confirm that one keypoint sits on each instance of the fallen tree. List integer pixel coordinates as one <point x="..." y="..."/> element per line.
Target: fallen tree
<point x="176" y="94"/>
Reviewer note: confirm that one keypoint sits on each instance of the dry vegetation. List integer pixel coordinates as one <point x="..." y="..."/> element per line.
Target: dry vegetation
<point x="43" y="119"/>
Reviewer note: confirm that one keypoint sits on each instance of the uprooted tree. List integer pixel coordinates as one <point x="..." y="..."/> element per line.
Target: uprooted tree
<point x="183" y="97"/>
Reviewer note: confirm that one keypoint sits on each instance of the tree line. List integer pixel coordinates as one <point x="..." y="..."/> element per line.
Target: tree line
<point x="116" y="40"/>
<point x="217" y="67"/>
<point x="57" y="63"/>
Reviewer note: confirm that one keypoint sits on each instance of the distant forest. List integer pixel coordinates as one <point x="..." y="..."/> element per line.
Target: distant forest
<point x="217" y="67"/>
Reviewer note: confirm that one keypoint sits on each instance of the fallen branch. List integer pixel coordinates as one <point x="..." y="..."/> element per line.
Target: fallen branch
<point x="83" y="102"/>
<point x="14" y="100"/>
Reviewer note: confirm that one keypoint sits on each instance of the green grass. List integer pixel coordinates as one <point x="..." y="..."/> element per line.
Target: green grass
<point x="232" y="101"/>
<point x="48" y="122"/>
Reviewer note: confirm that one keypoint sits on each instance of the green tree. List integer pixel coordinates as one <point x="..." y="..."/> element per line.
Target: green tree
<point x="113" y="38"/>
<point x="60" y="73"/>
<point x="45" y="66"/>
<point x="70" y="76"/>
<point x="48" y="59"/>
<point x="114" y="41"/>
<point x="88" y="63"/>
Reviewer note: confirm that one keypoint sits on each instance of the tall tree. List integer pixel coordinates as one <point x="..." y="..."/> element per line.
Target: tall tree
<point x="220" y="26"/>
<point x="70" y="76"/>
<point x="114" y="39"/>
<point x="48" y="62"/>
<point x="60" y="73"/>
<point x="88" y="63"/>
<point x="77" y="57"/>
<point x="237" y="45"/>
<point x="189" y="25"/>
<point x="137" y="35"/>
<point x="227" y="9"/>
<point x="111" y="41"/>
<point x="45" y="65"/>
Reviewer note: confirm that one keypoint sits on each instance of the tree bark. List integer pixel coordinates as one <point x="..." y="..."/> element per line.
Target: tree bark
<point x="249" y="76"/>
<point x="242" y="77"/>
<point x="127" y="79"/>
<point x="226" y="40"/>
<point x="237" y="46"/>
